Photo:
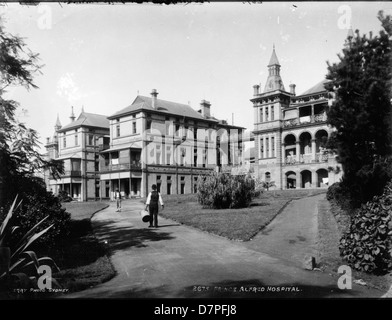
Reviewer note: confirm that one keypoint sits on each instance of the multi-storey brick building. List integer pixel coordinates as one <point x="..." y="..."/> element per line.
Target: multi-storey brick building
<point x="78" y="144"/>
<point x="290" y="133"/>
<point x="154" y="141"/>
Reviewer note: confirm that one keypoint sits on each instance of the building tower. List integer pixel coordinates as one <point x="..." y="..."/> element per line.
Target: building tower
<point x="52" y="144"/>
<point x="268" y="126"/>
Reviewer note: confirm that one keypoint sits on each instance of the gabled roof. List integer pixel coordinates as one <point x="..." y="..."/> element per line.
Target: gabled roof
<point x="173" y="108"/>
<point x="319" y="87"/>
<point x="86" y="119"/>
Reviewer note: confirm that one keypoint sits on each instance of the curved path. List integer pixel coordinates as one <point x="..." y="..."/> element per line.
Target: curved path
<point x="292" y="235"/>
<point x="175" y="261"/>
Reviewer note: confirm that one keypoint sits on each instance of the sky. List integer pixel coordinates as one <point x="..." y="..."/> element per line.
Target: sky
<point x="101" y="56"/>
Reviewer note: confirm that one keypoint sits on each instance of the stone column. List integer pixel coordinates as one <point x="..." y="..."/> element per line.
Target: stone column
<point x="312" y="115"/>
<point x="283" y="155"/>
<point x="313" y="149"/>
<point x="299" y="179"/>
<point x="314" y="179"/>
<point x="297" y="150"/>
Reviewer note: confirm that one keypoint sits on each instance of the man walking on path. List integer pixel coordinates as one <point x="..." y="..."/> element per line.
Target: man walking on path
<point x="117" y="196"/>
<point x="152" y="205"/>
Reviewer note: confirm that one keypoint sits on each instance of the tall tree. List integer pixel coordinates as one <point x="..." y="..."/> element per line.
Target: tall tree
<point x="19" y="155"/>
<point x="362" y="110"/>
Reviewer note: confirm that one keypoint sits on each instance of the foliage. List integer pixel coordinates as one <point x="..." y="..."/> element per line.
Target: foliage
<point x="64" y="196"/>
<point x="367" y="246"/>
<point x="19" y="267"/>
<point x="20" y="160"/>
<point x="268" y="184"/>
<point x="220" y="191"/>
<point x="340" y="194"/>
<point x="361" y="112"/>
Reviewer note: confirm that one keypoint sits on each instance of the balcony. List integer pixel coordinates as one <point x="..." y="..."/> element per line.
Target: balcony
<point x="67" y="173"/>
<point x="305" y="120"/>
<point x="102" y="147"/>
<point x="72" y="173"/>
<point x="306" y="158"/>
<point x="121" y="167"/>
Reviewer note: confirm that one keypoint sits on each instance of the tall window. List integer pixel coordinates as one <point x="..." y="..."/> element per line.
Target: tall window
<point x="182" y="191"/>
<point x="76" y="139"/>
<point x="90" y="140"/>
<point x="168" y="155"/>
<point x="195" y="157"/>
<point x="117" y="130"/>
<point x="168" y="184"/>
<point x="273" y="146"/>
<point x="195" y="184"/>
<point x="158" y="154"/>
<point x="267" y="146"/>
<point x="261" y="114"/>
<point x="65" y="142"/>
<point x="261" y="148"/>
<point x="272" y="113"/>
<point x="266" y="113"/>
<point x="177" y="133"/>
<point x="134" y="127"/>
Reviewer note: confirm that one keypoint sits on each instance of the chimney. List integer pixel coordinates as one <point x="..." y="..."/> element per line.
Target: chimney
<point x="48" y="140"/>
<point x="205" y="107"/>
<point x="154" y="95"/>
<point x="292" y="89"/>
<point x="72" y="117"/>
<point x="256" y="88"/>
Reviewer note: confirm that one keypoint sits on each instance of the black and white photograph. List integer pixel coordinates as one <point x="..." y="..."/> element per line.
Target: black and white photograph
<point x="201" y="152"/>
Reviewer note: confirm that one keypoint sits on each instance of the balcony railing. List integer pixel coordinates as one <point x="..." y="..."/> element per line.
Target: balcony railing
<point x="121" y="166"/>
<point x="72" y="173"/>
<point x="306" y="158"/>
<point x="303" y="120"/>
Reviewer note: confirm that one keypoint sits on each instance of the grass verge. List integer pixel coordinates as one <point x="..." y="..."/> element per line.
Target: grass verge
<point x="234" y="224"/>
<point x="333" y="221"/>
<point x="83" y="260"/>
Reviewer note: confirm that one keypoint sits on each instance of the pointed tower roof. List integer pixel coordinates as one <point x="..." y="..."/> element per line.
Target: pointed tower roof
<point x="58" y="123"/>
<point x="274" y="59"/>
<point x="274" y="81"/>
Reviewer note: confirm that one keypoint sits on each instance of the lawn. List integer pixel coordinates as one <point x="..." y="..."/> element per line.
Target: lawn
<point x="235" y="224"/>
<point x="83" y="210"/>
<point x="82" y="258"/>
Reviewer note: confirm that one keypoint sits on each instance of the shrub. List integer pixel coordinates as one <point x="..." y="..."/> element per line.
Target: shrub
<point x="19" y="266"/>
<point x="64" y="196"/>
<point x="368" y="244"/>
<point x="339" y="193"/>
<point x="221" y="191"/>
<point x="37" y="204"/>
<point x="34" y="209"/>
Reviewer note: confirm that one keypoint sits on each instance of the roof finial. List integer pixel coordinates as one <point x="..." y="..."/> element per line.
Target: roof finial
<point x="72" y="117"/>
